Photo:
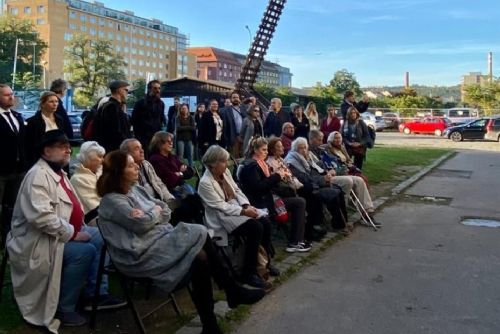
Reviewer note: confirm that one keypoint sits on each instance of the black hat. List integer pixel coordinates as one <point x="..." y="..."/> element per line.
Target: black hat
<point x="52" y="137"/>
<point x="114" y="85"/>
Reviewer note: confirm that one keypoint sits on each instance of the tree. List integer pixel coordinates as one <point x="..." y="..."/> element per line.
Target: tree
<point x="343" y="81"/>
<point x="29" y="51"/>
<point x="91" y="64"/>
<point x="486" y="96"/>
<point x="137" y="93"/>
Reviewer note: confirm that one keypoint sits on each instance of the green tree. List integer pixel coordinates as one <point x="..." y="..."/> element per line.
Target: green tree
<point x="486" y="97"/>
<point x="265" y="90"/>
<point x="343" y="81"/>
<point x="29" y="51"/>
<point x="137" y="93"/>
<point x="286" y="95"/>
<point x="91" y="64"/>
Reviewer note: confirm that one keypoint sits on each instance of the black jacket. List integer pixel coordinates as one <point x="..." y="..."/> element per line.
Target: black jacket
<point x="148" y="117"/>
<point x="111" y="125"/>
<point x="172" y="115"/>
<point x="274" y="123"/>
<point x="12" y="146"/>
<point x="34" y="132"/>
<point x="207" y="131"/>
<point x="256" y="185"/>
<point x="360" y="106"/>
<point x="66" y="123"/>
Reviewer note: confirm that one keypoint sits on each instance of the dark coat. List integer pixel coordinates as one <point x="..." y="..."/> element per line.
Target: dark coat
<point x="230" y="132"/>
<point x="63" y="115"/>
<point x="360" y="106"/>
<point x="207" y="131"/>
<point x="172" y="115"/>
<point x="359" y="135"/>
<point x="111" y="125"/>
<point x="256" y="185"/>
<point x="301" y="128"/>
<point x="12" y="146"/>
<point x="165" y="168"/>
<point x="34" y="132"/>
<point x="274" y="123"/>
<point x="148" y="117"/>
<point x="185" y="129"/>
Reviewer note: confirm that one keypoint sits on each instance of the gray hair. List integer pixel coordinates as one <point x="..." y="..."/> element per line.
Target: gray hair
<point x="315" y="134"/>
<point x="331" y="136"/>
<point x="213" y="155"/>
<point x="277" y="99"/>
<point x="285" y="125"/>
<point x="88" y="150"/>
<point x="297" y="142"/>
<point x="124" y="145"/>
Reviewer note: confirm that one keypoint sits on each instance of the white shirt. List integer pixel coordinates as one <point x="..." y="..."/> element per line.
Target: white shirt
<point x="14" y="119"/>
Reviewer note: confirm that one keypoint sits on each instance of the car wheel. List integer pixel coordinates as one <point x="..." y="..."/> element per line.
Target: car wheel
<point x="406" y="131"/>
<point x="456" y="136"/>
<point x="438" y="132"/>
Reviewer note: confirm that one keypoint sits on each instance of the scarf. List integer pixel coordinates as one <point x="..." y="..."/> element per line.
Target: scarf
<point x="262" y="164"/>
<point x="298" y="161"/>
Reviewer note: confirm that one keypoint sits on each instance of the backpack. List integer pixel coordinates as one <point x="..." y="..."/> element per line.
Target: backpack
<point x="87" y="126"/>
<point x="373" y="135"/>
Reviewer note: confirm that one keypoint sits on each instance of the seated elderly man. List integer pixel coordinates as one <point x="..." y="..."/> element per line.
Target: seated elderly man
<point x="84" y="179"/>
<point x="52" y="252"/>
<point x="228" y="211"/>
<point x="287" y="135"/>
<point x="346" y="182"/>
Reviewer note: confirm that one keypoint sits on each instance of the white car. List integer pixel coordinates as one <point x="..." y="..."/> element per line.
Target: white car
<point x="377" y="123"/>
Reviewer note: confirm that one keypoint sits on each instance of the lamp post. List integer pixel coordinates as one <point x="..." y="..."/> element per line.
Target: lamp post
<point x="249" y="34"/>
<point x="44" y="64"/>
<point x="15" y="65"/>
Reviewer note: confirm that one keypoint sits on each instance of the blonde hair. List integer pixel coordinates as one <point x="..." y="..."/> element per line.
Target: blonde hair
<point x="311" y="108"/>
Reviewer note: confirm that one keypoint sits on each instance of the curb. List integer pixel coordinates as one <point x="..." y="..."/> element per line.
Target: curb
<point x="222" y="309"/>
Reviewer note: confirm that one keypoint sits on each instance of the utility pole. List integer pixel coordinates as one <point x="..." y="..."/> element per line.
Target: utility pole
<point x="15" y="65"/>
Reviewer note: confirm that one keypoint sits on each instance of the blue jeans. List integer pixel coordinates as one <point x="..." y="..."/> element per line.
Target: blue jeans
<point x="185" y="149"/>
<point x="80" y="264"/>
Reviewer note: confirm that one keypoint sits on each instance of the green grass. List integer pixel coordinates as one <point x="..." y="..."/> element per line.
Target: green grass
<point x="384" y="164"/>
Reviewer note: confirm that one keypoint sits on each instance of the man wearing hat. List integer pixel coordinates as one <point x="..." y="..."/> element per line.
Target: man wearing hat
<point x="111" y="125"/>
<point x="52" y="252"/>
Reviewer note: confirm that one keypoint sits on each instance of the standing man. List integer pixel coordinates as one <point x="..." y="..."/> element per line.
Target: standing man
<point x="173" y="112"/>
<point x="13" y="164"/>
<point x="148" y="116"/>
<point x="275" y="119"/>
<point x="232" y="117"/>
<point x="349" y="101"/>
<point x="59" y="86"/>
<point x="111" y="124"/>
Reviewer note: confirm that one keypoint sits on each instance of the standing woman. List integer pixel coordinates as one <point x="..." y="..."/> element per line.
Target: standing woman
<point x="210" y="129"/>
<point x="252" y="126"/>
<point x="300" y="122"/>
<point x="312" y="115"/>
<point x="44" y="120"/>
<point x="185" y="128"/>
<point x="330" y="123"/>
<point x="356" y="136"/>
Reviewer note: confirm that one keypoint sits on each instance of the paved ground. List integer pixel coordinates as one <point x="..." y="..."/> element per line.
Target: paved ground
<point x="423" y="273"/>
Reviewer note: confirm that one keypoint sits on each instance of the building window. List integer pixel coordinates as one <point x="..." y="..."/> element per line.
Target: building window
<point x="92" y="20"/>
<point x="101" y="33"/>
<point x="72" y="15"/>
<point x="148" y="43"/>
<point x="110" y="35"/>
<point x="14" y="11"/>
<point x="118" y="37"/>
<point x="83" y="18"/>
<point x="83" y="28"/>
<point x="72" y="26"/>
<point x="40" y="21"/>
<point x="92" y="31"/>
<point x="125" y="38"/>
<point x="141" y="52"/>
<point x="27" y="10"/>
<point x="40" y="9"/>
<point x="101" y="22"/>
<point x="111" y="24"/>
<point x="141" y="41"/>
<point x="68" y="36"/>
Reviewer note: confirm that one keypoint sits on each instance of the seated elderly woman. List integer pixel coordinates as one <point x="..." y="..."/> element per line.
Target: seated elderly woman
<point x="168" y="166"/>
<point x="142" y="243"/>
<point x="84" y="179"/>
<point x="258" y="184"/>
<point x="228" y="211"/>
<point x="319" y="183"/>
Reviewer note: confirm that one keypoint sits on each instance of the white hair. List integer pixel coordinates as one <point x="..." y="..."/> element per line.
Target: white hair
<point x="88" y="150"/>
<point x="213" y="155"/>
<point x="331" y="136"/>
<point x="297" y="142"/>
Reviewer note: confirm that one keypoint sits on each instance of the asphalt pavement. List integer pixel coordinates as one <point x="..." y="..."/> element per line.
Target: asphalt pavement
<point x="423" y="272"/>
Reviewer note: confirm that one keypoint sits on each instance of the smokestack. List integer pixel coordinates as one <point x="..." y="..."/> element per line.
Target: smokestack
<point x="407" y="79"/>
<point x="490" y="66"/>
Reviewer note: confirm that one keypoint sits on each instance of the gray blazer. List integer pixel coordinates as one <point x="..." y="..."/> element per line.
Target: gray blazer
<point x="247" y="130"/>
<point x="229" y="128"/>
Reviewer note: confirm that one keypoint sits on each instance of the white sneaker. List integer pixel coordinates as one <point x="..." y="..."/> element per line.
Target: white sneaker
<point x="299" y="247"/>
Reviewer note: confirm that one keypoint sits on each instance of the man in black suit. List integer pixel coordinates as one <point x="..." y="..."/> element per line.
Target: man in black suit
<point x="59" y="86"/>
<point x="13" y="164"/>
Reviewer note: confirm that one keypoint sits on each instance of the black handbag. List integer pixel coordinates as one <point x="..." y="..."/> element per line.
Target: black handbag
<point x="285" y="189"/>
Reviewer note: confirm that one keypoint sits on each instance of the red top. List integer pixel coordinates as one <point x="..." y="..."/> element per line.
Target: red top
<point x="77" y="214"/>
<point x="328" y="128"/>
<point x="166" y="168"/>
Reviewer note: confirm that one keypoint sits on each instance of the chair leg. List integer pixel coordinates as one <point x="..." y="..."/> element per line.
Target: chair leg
<point x="3" y="269"/>
<point x="137" y="318"/>
<point x="97" y="292"/>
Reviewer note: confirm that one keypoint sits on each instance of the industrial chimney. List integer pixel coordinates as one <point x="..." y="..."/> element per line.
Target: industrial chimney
<point x="490" y="66"/>
<point x="407" y="79"/>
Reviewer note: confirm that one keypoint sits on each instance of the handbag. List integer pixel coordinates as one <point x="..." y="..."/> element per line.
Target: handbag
<point x="262" y="263"/>
<point x="285" y="189"/>
<point x="183" y="191"/>
<point x="280" y="212"/>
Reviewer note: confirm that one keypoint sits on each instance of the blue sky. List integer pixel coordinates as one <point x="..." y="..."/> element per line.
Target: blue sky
<point x="437" y="41"/>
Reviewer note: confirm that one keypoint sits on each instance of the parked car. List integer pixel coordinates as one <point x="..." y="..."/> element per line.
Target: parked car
<point x="377" y="123"/>
<point x="435" y="125"/>
<point x="27" y="114"/>
<point x="76" y="122"/>
<point x="471" y="130"/>
<point x="392" y="120"/>
<point x="493" y="129"/>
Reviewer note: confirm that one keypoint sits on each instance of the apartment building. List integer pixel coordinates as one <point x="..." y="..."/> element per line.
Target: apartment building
<point x="150" y="48"/>
<point x="222" y="65"/>
<point x="471" y="79"/>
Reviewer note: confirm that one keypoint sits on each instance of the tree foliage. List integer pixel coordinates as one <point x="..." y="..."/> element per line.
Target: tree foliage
<point x="12" y="28"/>
<point x="343" y="81"/>
<point x="485" y="96"/>
<point x="91" y="64"/>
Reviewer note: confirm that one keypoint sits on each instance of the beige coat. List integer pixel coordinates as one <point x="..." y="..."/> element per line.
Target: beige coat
<point x="85" y="183"/>
<point x="40" y="228"/>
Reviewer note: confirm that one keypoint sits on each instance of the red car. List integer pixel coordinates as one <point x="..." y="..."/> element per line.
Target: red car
<point x="435" y="125"/>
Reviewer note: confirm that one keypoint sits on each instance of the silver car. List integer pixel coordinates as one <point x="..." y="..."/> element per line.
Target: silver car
<point x="375" y="122"/>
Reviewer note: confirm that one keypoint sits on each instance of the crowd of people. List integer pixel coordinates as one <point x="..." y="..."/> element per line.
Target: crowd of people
<point x="131" y="186"/>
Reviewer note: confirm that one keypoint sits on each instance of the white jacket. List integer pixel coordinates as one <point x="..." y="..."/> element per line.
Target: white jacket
<point x="85" y="183"/>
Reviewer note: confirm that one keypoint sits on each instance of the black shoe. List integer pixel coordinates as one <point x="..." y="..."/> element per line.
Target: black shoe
<point x="71" y="319"/>
<point x="257" y="282"/>
<point x="106" y="302"/>
<point x="273" y="271"/>
<point x="237" y="295"/>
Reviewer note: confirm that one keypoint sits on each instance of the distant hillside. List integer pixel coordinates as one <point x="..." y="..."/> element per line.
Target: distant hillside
<point x="445" y="92"/>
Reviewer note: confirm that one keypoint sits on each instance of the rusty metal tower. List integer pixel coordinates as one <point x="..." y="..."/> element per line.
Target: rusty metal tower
<point x="259" y="47"/>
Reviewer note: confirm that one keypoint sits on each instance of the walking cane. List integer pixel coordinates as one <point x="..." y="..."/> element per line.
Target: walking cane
<point x="364" y="214"/>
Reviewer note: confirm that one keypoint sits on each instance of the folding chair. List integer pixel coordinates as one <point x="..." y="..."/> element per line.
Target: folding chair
<point x="126" y="283"/>
<point x="362" y="211"/>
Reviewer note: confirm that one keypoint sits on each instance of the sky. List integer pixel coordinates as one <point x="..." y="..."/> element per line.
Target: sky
<point x="437" y="41"/>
